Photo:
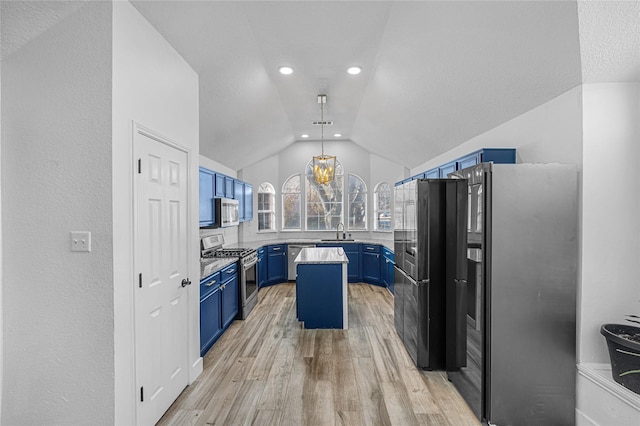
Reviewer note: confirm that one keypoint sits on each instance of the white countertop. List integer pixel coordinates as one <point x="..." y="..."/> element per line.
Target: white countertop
<point x="322" y="255"/>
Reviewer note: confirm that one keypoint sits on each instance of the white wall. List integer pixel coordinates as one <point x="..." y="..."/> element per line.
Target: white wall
<point x="155" y="87"/>
<point x="611" y="212"/>
<point x="550" y="133"/>
<point x="292" y="160"/>
<point x="56" y="177"/>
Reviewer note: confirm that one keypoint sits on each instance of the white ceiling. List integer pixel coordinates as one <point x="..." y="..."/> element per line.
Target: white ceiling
<point x="434" y="74"/>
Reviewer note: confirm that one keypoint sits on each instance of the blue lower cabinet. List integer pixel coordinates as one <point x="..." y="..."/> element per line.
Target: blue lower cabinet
<point x="352" y="250"/>
<point x="388" y="260"/>
<point x="262" y="267"/>
<point x="229" y="290"/>
<point x="210" y="319"/>
<point x="218" y="305"/>
<point x="276" y="264"/>
<point x="371" y="263"/>
<point x="319" y="300"/>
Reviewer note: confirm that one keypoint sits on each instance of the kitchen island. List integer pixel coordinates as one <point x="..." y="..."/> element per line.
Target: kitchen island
<point x="321" y="287"/>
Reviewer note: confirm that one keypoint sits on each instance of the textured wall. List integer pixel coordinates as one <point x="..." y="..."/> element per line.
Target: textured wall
<point x="56" y="178"/>
<point x="155" y="87"/>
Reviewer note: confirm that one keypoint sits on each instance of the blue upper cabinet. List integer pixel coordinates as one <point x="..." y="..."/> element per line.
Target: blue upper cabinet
<point x="485" y="155"/>
<point x="468" y="161"/>
<point x="248" y="202"/>
<point x="498" y="155"/>
<point x="207" y="210"/>
<point x="432" y="174"/>
<point x="221" y="189"/>
<point x="217" y="185"/>
<point x="446" y="169"/>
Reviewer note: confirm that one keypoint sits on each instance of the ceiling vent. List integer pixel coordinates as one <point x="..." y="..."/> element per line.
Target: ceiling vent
<point x="320" y="123"/>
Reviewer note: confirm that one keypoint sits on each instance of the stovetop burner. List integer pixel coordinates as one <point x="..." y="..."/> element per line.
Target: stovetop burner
<point x="233" y="252"/>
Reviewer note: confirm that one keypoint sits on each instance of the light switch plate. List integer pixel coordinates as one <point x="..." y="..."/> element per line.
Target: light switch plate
<point x="80" y="241"/>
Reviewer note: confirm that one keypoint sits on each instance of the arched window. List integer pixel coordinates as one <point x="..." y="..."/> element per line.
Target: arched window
<point x="266" y="207"/>
<point x="324" y="202"/>
<point x="291" y="202"/>
<point x="357" y="206"/>
<point x="382" y="207"/>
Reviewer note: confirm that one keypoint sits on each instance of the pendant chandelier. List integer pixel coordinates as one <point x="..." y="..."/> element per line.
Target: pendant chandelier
<point x="324" y="166"/>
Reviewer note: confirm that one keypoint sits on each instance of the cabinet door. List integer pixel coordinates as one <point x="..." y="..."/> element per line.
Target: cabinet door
<point x="468" y="161"/>
<point x="238" y="194"/>
<point x="210" y="321"/>
<point x="262" y="269"/>
<point x="229" y="300"/>
<point x="277" y="263"/>
<point x="432" y="174"/>
<point x="221" y="189"/>
<point x="207" y="210"/>
<point x="388" y="273"/>
<point x="447" y="168"/>
<point x="248" y="202"/>
<point x="228" y="185"/>
<point x="371" y="268"/>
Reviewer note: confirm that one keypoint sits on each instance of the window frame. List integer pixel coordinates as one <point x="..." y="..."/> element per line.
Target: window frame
<point x="376" y="210"/>
<point x="308" y="179"/>
<point x="349" y="203"/>
<point x="272" y="211"/>
<point x="283" y="199"/>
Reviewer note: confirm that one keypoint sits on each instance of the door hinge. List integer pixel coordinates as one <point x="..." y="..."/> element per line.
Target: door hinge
<point x="139" y="165"/>
<point x="141" y="393"/>
<point x="140" y="280"/>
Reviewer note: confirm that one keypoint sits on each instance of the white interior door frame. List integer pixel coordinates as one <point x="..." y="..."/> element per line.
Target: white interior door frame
<point x="137" y="131"/>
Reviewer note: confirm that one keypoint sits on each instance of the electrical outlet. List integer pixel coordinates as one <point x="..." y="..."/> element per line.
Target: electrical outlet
<point x="80" y="241"/>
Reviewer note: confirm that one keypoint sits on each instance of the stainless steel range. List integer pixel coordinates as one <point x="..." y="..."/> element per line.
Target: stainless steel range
<point x="248" y="291"/>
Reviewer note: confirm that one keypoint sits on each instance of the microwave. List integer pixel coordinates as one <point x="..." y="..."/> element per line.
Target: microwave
<point x="227" y="213"/>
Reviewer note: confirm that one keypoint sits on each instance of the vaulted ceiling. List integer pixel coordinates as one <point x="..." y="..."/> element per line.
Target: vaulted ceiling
<point x="435" y="73"/>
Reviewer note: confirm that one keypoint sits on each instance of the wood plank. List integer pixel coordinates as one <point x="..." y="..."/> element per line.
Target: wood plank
<point x="266" y="370"/>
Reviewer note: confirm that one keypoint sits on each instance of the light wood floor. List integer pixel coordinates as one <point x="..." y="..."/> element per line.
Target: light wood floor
<point x="267" y="370"/>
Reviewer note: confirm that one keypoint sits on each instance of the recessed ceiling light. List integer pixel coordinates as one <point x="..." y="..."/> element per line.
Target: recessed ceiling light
<point x="304" y="135"/>
<point x="337" y="135"/>
<point x="354" y="70"/>
<point x="285" y="70"/>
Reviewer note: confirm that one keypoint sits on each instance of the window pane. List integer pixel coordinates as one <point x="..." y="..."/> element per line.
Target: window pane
<point x="382" y="204"/>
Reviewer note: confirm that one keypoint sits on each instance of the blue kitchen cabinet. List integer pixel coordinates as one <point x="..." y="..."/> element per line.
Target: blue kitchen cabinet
<point x="248" y="202"/>
<point x="497" y="155"/>
<point x="218" y="305"/>
<point x="276" y="264"/>
<point x="262" y="267"/>
<point x="207" y="208"/>
<point x="229" y="294"/>
<point x="221" y="189"/>
<point x="238" y="194"/>
<point x="352" y="250"/>
<point x="210" y="312"/>
<point x="446" y="169"/>
<point x="229" y="189"/>
<point x="468" y="161"/>
<point x="432" y="174"/>
<point x="371" y="263"/>
<point x="387" y="268"/>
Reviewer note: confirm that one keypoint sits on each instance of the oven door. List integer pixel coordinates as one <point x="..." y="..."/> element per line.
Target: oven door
<point x="249" y="285"/>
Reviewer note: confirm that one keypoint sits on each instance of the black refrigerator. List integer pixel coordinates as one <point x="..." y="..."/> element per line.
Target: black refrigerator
<point x="430" y="271"/>
<point x="522" y="239"/>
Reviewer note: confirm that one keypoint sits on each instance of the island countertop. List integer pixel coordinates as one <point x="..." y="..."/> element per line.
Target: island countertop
<point x="317" y="255"/>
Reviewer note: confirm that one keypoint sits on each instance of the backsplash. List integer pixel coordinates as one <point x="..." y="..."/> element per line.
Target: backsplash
<point x="230" y="234"/>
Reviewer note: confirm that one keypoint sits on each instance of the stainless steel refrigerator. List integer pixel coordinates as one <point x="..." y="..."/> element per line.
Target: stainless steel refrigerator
<point x="521" y="306"/>
<point x="430" y="271"/>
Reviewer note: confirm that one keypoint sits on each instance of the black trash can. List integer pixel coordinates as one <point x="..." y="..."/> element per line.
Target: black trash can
<point x="623" y="342"/>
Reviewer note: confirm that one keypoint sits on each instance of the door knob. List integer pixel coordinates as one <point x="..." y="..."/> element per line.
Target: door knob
<point x="185" y="282"/>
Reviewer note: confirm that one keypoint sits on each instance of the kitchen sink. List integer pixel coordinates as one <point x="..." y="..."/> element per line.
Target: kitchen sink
<point x="337" y="239"/>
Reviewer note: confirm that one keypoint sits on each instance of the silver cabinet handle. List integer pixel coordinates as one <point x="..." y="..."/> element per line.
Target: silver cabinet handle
<point x="276" y="249"/>
<point x="210" y="283"/>
<point x="231" y="271"/>
<point x="369" y="248"/>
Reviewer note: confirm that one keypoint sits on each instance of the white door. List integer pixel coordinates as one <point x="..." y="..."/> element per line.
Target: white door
<point x="161" y="317"/>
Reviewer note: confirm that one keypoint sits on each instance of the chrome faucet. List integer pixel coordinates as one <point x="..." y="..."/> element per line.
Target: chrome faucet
<point x="338" y="231"/>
